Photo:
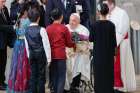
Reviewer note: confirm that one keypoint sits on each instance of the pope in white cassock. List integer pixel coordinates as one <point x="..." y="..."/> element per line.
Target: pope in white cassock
<point x="124" y="66"/>
<point x="78" y="61"/>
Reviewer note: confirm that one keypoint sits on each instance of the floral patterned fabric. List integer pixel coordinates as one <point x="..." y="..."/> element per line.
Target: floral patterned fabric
<point x="20" y="69"/>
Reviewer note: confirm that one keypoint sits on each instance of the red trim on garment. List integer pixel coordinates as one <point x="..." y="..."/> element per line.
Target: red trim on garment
<point x="117" y="68"/>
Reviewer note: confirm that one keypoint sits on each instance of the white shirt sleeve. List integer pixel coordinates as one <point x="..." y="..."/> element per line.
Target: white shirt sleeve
<point x="123" y="28"/>
<point x="26" y="46"/>
<point x="121" y="20"/>
<point x="46" y="44"/>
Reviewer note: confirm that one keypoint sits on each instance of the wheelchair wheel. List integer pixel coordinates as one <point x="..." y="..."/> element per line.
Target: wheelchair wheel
<point x="92" y="74"/>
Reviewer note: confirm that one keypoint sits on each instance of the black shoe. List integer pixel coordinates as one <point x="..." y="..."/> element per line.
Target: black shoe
<point x="66" y="91"/>
<point x="74" y="90"/>
<point x="2" y="87"/>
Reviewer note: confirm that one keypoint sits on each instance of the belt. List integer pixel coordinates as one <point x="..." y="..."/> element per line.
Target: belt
<point x="37" y="50"/>
<point x="20" y="37"/>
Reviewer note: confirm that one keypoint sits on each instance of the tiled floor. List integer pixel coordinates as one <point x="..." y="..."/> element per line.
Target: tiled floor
<point x="132" y="16"/>
<point x="138" y="86"/>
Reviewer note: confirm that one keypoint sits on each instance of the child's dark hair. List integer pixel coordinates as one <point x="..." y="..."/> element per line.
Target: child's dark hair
<point x="27" y="6"/>
<point x="24" y="8"/>
<point x="41" y="1"/>
<point x="33" y="14"/>
<point x="103" y="9"/>
<point x="56" y="14"/>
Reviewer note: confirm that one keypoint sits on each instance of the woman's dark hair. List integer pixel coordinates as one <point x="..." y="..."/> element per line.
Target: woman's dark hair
<point x="103" y="9"/>
<point x="33" y="14"/>
<point x="56" y="14"/>
<point x="34" y="4"/>
<point x="25" y="7"/>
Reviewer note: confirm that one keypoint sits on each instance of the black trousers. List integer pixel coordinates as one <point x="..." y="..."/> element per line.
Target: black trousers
<point x="103" y="78"/>
<point x="38" y="72"/>
<point x="3" y="59"/>
<point x="58" y="75"/>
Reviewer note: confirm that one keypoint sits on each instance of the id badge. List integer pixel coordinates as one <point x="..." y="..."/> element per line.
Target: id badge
<point x="79" y="8"/>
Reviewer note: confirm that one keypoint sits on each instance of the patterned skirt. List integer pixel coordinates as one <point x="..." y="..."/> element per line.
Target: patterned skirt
<point x="20" y="70"/>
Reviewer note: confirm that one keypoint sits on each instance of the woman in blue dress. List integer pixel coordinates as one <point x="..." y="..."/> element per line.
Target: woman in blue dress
<point x="20" y="69"/>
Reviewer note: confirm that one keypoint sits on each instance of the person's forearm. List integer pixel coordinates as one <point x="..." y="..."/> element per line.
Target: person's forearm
<point x="6" y="28"/>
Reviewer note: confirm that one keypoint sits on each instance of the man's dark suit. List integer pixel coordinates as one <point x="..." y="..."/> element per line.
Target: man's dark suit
<point x="42" y="18"/>
<point x="52" y="4"/>
<point x="85" y="13"/>
<point x="7" y="36"/>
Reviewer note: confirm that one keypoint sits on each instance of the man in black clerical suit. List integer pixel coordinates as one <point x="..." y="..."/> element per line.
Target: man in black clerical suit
<point x="7" y="37"/>
<point x="66" y="6"/>
<point x="43" y="12"/>
<point x="83" y="7"/>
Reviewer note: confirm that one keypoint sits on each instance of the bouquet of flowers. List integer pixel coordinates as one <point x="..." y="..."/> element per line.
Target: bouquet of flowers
<point x="82" y="44"/>
<point x="75" y="37"/>
<point x="78" y="37"/>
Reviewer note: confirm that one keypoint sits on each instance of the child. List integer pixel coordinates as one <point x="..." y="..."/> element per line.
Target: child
<point x="38" y="49"/>
<point x="20" y="70"/>
<point x="59" y="38"/>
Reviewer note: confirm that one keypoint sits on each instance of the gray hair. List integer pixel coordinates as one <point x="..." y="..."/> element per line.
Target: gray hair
<point x="76" y="15"/>
<point x="113" y="1"/>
